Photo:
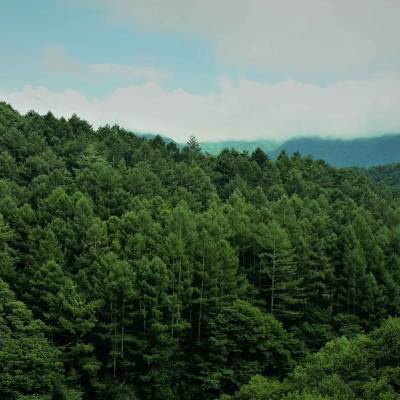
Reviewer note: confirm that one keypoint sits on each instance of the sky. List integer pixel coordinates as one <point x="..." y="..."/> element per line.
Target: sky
<point x="215" y="69"/>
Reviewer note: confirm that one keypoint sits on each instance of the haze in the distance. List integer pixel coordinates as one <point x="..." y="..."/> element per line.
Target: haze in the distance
<point x="219" y="70"/>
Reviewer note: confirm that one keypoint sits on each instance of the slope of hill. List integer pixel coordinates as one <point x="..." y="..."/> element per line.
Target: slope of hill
<point x="362" y="152"/>
<point x="132" y="269"/>
<point x="387" y="175"/>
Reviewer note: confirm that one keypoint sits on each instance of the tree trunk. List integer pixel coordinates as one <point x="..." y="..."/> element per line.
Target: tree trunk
<point x="201" y="301"/>
<point x="273" y="278"/>
<point x="123" y="328"/>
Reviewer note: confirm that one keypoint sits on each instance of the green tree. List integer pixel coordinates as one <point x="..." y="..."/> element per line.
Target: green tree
<point x="243" y="341"/>
<point x="29" y="364"/>
<point x="282" y="285"/>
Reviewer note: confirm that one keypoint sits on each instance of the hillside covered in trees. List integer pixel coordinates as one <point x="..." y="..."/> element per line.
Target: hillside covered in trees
<point x="386" y="175"/>
<point x="133" y="270"/>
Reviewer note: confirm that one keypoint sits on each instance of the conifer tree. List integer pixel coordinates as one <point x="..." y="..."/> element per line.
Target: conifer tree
<point x="282" y="288"/>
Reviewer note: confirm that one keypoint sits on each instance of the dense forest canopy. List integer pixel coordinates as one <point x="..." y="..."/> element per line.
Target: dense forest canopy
<point x="385" y="175"/>
<point x="131" y="269"/>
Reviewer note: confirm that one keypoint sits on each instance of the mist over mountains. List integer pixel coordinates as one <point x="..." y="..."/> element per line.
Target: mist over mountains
<point x="360" y="152"/>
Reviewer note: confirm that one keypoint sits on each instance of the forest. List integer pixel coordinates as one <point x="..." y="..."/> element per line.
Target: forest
<point x="131" y="269"/>
<point x="387" y="175"/>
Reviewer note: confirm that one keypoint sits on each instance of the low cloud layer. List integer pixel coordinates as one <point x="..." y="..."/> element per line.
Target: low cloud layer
<point x="242" y="110"/>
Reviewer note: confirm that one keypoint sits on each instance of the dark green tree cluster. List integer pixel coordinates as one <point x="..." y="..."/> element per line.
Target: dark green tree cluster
<point x="363" y="367"/>
<point x="133" y="270"/>
<point x="386" y="175"/>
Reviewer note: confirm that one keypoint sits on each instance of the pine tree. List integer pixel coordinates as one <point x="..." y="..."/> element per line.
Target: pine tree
<point x="282" y="285"/>
<point x="217" y="280"/>
<point x="243" y="341"/>
<point x="29" y="364"/>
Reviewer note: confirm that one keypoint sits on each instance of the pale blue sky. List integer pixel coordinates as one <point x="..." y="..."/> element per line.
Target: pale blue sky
<point x="219" y="69"/>
<point x="30" y="27"/>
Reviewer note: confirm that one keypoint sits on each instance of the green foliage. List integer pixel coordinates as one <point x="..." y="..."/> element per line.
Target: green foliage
<point x="385" y="175"/>
<point x="29" y="364"/>
<point x="131" y="269"/>
<point x="282" y="286"/>
<point x="365" y="367"/>
<point x="243" y="342"/>
<point x="258" y="388"/>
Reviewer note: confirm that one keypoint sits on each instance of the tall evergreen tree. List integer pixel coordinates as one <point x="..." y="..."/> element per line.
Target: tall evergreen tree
<point x="282" y="287"/>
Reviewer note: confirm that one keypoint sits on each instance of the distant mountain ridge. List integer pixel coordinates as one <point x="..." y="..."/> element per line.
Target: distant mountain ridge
<point x="215" y="148"/>
<point x="362" y="152"/>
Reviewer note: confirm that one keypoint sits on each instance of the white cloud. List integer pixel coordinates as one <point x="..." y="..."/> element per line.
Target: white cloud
<point x="246" y="110"/>
<point x="55" y="60"/>
<point x="337" y="39"/>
